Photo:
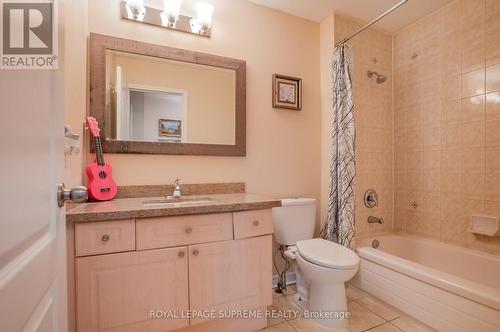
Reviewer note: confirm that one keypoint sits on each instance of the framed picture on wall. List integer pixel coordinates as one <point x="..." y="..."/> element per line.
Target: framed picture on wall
<point x="287" y="92"/>
<point x="170" y="128"/>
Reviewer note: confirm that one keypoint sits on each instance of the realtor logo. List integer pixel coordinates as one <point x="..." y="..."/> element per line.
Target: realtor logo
<point x="29" y="34"/>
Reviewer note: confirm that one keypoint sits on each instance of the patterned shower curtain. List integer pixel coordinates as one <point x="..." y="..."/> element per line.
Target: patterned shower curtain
<point x="339" y="226"/>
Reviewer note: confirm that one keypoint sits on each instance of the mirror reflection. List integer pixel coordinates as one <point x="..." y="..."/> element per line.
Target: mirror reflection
<point x="158" y="100"/>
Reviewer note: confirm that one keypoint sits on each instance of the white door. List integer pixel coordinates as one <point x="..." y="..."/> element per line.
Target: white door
<point x="32" y="226"/>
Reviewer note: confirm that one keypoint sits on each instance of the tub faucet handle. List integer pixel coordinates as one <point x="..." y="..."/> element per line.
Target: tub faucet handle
<point x="371" y="198"/>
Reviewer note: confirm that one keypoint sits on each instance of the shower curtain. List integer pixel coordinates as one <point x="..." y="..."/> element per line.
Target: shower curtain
<point x="340" y="221"/>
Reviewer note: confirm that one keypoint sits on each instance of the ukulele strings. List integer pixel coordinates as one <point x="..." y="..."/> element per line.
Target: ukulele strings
<point x="100" y="163"/>
<point x="102" y="175"/>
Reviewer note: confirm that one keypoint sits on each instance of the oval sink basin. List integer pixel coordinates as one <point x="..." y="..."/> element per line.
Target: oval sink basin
<point x="177" y="201"/>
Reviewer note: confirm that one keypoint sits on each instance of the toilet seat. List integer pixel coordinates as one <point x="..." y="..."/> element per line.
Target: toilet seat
<point x="327" y="254"/>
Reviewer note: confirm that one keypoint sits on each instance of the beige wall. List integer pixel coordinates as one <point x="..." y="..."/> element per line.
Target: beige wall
<point x="283" y="147"/>
<point x="75" y="92"/>
<point x="371" y="50"/>
<point x="210" y="93"/>
<point x="447" y="122"/>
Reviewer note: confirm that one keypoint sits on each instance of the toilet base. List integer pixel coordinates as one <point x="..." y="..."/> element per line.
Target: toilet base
<point x="300" y="301"/>
<point x="330" y="299"/>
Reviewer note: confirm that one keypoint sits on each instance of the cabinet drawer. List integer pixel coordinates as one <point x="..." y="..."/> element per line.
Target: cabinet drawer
<point x="252" y="223"/>
<point x="104" y="237"/>
<point x="183" y="230"/>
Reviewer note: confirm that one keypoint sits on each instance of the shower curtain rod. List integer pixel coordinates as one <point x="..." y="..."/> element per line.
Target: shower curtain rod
<point x="343" y="41"/>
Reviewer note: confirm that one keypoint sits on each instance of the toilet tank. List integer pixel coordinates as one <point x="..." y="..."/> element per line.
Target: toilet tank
<point x="294" y="220"/>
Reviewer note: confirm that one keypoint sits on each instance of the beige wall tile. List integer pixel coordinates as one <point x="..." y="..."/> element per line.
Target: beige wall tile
<point x="473" y="134"/>
<point x="493" y="105"/>
<point x="431" y="112"/>
<point x="432" y="182"/>
<point x="492" y="157"/>
<point x="473" y="83"/>
<point x="473" y="160"/>
<point x="493" y="78"/>
<point x="492" y="32"/>
<point x="473" y="186"/>
<point x="451" y="136"/>
<point x="451" y="112"/>
<point x="432" y="161"/>
<point x="451" y="184"/>
<point x="432" y="138"/>
<point x="492" y="187"/>
<point x="493" y="132"/>
<point x="473" y="53"/>
<point x="473" y="108"/>
<point x="452" y="85"/>
<point x="451" y="160"/>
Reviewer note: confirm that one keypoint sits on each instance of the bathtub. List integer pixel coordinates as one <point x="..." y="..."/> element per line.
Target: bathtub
<point x="447" y="287"/>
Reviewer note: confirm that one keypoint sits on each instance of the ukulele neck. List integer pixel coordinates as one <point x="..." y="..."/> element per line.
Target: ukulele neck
<point x="98" y="151"/>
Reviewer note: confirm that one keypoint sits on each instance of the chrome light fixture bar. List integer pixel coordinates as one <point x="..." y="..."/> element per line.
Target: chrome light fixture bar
<point x="170" y="17"/>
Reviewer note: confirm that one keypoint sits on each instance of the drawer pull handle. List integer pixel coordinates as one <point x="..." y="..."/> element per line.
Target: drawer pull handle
<point x="256" y="223"/>
<point x="188" y="229"/>
<point x="195" y="252"/>
<point x="105" y="238"/>
<point x="181" y="254"/>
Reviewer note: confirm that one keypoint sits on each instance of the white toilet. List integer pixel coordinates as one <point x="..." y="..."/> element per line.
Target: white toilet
<point x="321" y="267"/>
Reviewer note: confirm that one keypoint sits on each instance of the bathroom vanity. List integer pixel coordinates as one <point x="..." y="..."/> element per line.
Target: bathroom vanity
<point x="137" y="263"/>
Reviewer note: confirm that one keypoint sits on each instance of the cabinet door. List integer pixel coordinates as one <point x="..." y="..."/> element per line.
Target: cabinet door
<point x="230" y="275"/>
<point x="117" y="292"/>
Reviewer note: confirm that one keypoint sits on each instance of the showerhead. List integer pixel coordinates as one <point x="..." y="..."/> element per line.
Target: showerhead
<point x="380" y="78"/>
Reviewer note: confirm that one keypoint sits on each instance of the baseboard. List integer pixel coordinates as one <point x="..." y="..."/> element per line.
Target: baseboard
<point x="290" y="279"/>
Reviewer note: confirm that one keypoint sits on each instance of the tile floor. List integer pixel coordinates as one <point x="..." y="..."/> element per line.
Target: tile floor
<point x="367" y="314"/>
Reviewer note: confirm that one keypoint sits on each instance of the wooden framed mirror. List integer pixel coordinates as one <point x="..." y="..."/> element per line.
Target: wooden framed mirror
<point x="151" y="99"/>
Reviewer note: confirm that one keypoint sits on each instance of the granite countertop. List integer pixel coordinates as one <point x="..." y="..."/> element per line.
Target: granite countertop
<point x="129" y="208"/>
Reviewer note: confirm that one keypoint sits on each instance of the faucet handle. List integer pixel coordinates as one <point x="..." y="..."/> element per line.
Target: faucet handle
<point x="177" y="189"/>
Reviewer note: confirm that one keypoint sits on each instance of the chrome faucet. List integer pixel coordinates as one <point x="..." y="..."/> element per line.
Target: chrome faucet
<point x="375" y="220"/>
<point x="177" y="189"/>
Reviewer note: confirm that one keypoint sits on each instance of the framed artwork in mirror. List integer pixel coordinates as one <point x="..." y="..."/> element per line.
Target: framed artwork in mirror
<point x="170" y="128"/>
<point x="287" y="92"/>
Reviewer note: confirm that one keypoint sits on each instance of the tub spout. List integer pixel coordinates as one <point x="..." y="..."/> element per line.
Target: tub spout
<point x="375" y="220"/>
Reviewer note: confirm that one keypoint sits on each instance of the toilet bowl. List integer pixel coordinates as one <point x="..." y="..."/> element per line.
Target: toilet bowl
<point x="326" y="266"/>
<point x="321" y="267"/>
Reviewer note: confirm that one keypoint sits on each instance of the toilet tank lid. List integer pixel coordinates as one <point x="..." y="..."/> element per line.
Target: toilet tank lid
<point x="298" y="201"/>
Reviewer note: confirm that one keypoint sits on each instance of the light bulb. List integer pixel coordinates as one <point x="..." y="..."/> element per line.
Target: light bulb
<point x="136" y="9"/>
<point x="204" y="12"/>
<point x="172" y="8"/>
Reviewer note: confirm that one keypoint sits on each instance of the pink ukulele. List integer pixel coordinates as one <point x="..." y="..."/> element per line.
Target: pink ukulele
<point x="101" y="186"/>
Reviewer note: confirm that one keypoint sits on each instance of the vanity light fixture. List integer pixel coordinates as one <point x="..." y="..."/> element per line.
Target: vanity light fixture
<point x="135" y="9"/>
<point x="170" y="14"/>
<point x="170" y="17"/>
